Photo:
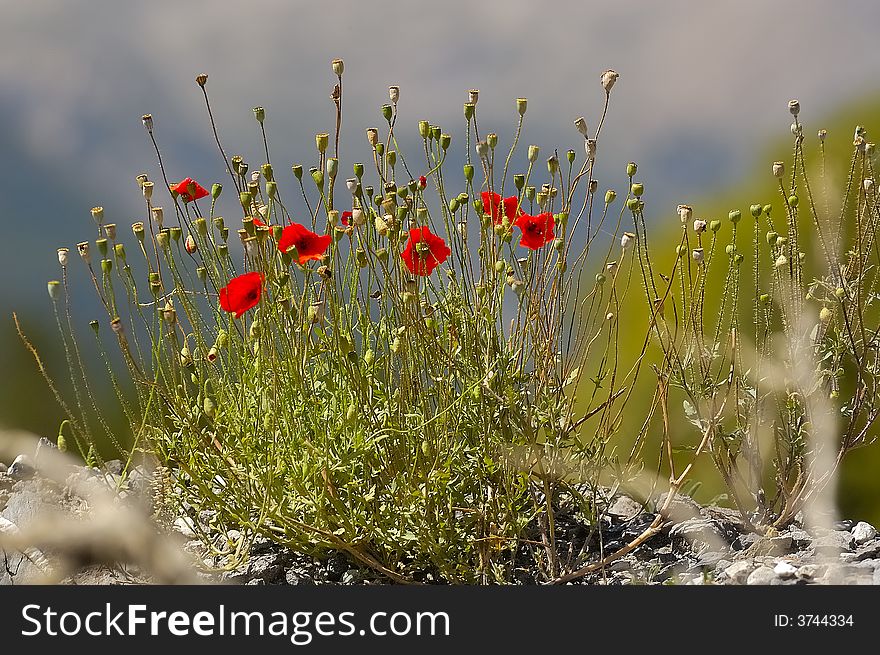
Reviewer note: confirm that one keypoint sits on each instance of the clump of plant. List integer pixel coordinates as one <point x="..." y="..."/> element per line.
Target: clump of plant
<point x="384" y="363"/>
<point x="779" y="374"/>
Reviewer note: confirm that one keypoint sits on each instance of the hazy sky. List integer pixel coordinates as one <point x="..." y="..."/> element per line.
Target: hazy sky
<point x="703" y="85"/>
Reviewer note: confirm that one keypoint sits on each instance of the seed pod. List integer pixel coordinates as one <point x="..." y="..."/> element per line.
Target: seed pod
<point x="608" y="79"/>
<point x="581" y="126"/>
<point x="63" y="254"/>
<point x="778" y="169"/>
<point x="697" y="254"/>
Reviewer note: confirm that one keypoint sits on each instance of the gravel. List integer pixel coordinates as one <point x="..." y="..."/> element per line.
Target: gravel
<point x="697" y="545"/>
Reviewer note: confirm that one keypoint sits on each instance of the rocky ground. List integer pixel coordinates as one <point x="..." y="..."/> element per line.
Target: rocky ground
<point x="702" y="545"/>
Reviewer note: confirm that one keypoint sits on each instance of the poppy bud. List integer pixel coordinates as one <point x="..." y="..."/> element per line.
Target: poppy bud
<point x="382" y="225"/>
<point x="738" y="259"/>
<point x="734" y="216"/>
<point x="318" y="178"/>
<point x="333" y="216"/>
<point x="469" y="111"/>
<point x="697" y="254"/>
<point x="571" y="156"/>
<point x="778" y="169"/>
<point x="62" y="256"/>
<point x="610" y="196"/>
<point x="391" y="158"/>
<point x="626" y="239"/>
<point x="609" y="77"/>
<point x="823" y="134"/>
<point x="792" y="201"/>
<point x="500" y="266"/>
<point x="552" y="165"/>
<point x="600" y="278"/>
<point x="590" y="149"/>
<point x="332" y="167"/>
<point x="794" y="107"/>
<point x="445" y="141"/>
<point x="680" y="251"/>
<point x="530" y="192"/>
<point x="521" y="105"/>
<point x="98" y="214"/>
<point x="715" y="226"/>
<point x="767" y="209"/>
<point x="297" y="171"/>
<point x="147" y="120"/>
<point x="337" y="66"/>
<point x="468" y="172"/>
<point x="772" y="238"/>
<point x="190" y="244"/>
<point x="202" y="79"/>
<point x="162" y="239"/>
<point x="84" y="252"/>
<point x="633" y="204"/>
<point x="533" y="153"/>
<point x="268" y="172"/>
<point x="699" y="226"/>
<point x="54" y="288"/>
<point x="637" y="189"/>
<point x="581" y="125"/>
<point x="730" y="249"/>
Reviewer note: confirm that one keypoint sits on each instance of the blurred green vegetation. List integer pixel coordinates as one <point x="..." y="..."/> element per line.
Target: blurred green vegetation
<point x="859" y="484"/>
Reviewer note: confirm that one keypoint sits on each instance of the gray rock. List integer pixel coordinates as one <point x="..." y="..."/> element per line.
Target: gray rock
<point x="833" y="542"/>
<point x="265" y="568"/>
<point x="810" y="571"/>
<point x="40" y="454"/>
<point x="114" y="466"/>
<point x="30" y="501"/>
<point x="763" y="575"/>
<point x="863" y="532"/>
<point x="698" y="531"/>
<point x="711" y="559"/>
<point x="22" y="468"/>
<point x="799" y="537"/>
<point x="300" y="578"/>
<point x="876" y="579"/>
<point x="625" y="507"/>
<point x="738" y="572"/>
<point x="785" y="569"/>
<point x="3" y="468"/>
<point x="681" y="508"/>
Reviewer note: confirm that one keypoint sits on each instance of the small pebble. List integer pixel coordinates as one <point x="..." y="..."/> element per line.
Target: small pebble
<point x="785" y="569"/>
<point x="22" y="468"/>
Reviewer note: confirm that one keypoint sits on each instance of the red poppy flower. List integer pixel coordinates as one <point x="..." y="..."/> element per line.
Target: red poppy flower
<point x="308" y="244"/>
<point x="423" y="181"/>
<point x="183" y="189"/>
<point x="424" y="251"/>
<point x="492" y="205"/>
<point x="242" y="293"/>
<point x="345" y="218"/>
<point x="537" y="231"/>
<point x="258" y="222"/>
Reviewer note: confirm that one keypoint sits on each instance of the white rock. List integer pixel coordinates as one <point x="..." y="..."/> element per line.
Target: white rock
<point x="863" y="532"/>
<point x="785" y="569"/>
<point x="185" y="527"/>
